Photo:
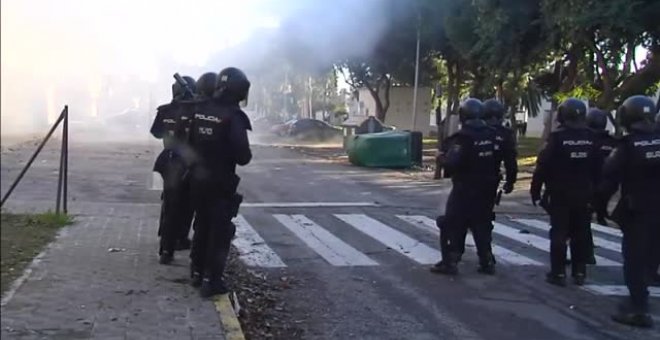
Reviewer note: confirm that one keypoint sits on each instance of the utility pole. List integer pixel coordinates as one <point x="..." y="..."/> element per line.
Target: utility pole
<point x="311" y="96"/>
<point x="414" y="108"/>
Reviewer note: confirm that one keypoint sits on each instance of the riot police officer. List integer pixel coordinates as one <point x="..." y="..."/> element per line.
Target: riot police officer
<point x="567" y="165"/>
<point x="634" y="166"/>
<point x="505" y="145"/>
<point x="471" y="160"/>
<point x="657" y="121"/>
<point x="505" y="152"/>
<point x="597" y="121"/>
<point x="176" y="211"/>
<point x="218" y="136"/>
<point x="205" y="89"/>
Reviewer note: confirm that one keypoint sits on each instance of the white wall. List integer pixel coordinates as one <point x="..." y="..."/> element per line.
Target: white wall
<point x="399" y="113"/>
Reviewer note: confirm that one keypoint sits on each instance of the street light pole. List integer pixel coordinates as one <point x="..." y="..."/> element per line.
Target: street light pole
<point x="414" y="108"/>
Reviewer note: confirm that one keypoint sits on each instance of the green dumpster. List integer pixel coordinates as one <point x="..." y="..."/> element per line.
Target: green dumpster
<point x="390" y="149"/>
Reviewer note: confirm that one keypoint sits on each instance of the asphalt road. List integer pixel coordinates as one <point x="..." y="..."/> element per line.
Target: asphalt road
<point x="358" y="244"/>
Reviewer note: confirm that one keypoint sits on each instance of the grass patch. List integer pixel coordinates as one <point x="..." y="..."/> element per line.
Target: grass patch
<point x="430" y="142"/>
<point x="23" y="237"/>
<point x="528" y="148"/>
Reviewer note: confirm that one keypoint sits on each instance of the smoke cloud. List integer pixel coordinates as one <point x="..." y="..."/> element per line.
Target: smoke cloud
<point x="112" y="61"/>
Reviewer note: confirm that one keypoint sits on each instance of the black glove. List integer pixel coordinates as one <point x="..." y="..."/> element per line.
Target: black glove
<point x="507" y="187"/>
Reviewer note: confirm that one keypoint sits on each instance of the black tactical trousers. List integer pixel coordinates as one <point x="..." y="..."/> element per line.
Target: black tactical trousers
<point x="569" y="222"/>
<point x="212" y="237"/>
<point x="641" y="253"/>
<point x="468" y="208"/>
<point x="176" y="209"/>
<point x="490" y="201"/>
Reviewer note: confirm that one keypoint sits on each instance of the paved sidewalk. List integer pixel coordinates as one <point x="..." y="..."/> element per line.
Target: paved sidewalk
<point x="101" y="280"/>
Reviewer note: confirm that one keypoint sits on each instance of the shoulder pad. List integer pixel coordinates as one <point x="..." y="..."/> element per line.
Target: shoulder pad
<point x="164" y="107"/>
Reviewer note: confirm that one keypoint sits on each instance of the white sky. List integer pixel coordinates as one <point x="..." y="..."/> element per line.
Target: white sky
<point x="123" y="36"/>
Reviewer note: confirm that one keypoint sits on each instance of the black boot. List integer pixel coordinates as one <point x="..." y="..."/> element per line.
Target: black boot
<point x="195" y="277"/>
<point x="633" y="317"/>
<point x="211" y="287"/>
<point x="487" y="266"/>
<point x="557" y="279"/>
<point x="166" y="257"/>
<point x="579" y="273"/>
<point x="579" y="279"/>
<point x="445" y="267"/>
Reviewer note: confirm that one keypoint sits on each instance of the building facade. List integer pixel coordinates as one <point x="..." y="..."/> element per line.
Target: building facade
<point x="399" y="113"/>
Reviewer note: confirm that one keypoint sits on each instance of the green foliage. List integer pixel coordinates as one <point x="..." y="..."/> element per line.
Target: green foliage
<point x="586" y="91"/>
<point x="521" y="51"/>
<point x="50" y="219"/>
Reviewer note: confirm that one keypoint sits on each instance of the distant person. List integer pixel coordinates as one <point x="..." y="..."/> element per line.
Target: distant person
<point x="176" y="211"/>
<point x="633" y="168"/>
<point x="218" y="137"/>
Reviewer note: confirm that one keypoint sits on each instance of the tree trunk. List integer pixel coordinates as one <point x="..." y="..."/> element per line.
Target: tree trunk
<point x="386" y="105"/>
<point x="451" y="81"/>
<point x="606" y="99"/>
<point x="457" y="88"/>
<point x="382" y="104"/>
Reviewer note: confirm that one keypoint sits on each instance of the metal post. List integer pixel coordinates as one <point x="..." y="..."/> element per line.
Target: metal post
<point x="66" y="158"/>
<point x="414" y="121"/>
<point x="29" y="163"/>
<point x="60" y="174"/>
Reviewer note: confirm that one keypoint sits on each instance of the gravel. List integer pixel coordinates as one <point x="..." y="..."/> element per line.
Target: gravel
<point x="263" y="312"/>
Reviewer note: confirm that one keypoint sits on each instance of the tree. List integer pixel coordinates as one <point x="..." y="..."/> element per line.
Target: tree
<point x="600" y="39"/>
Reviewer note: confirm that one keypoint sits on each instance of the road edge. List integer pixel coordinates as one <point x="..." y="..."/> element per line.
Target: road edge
<point x="228" y="317"/>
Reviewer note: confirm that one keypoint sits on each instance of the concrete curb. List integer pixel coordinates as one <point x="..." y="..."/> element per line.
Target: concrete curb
<point x="228" y="313"/>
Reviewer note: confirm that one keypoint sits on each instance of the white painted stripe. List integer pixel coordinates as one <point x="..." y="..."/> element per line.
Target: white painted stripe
<point x="500" y="253"/>
<point x="156" y="181"/>
<point x="328" y="246"/>
<point x="252" y="248"/>
<point x="307" y="204"/>
<point x="617" y="290"/>
<point x="392" y="238"/>
<point x="540" y="242"/>
<point x="607" y="230"/>
<point x="598" y="241"/>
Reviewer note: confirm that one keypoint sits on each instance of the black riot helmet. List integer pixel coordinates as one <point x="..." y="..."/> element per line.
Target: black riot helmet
<point x="494" y="111"/>
<point x="179" y="93"/>
<point x="571" y="112"/>
<point x="597" y="119"/>
<point x="471" y="109"/>
<point x="206" y="85"/>
<point x="636" y="109"/>
<point x="232" y="86"/>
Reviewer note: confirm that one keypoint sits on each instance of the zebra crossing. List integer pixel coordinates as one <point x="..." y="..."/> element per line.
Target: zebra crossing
<point x="517" y="242"/>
